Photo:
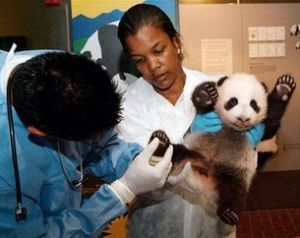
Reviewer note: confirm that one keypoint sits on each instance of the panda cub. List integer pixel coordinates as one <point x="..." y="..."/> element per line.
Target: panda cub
<point x="224" y="162"/>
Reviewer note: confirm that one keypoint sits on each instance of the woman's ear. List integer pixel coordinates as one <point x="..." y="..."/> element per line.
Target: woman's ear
<point x="34" y="131"/>
<point x="176" y="41"/>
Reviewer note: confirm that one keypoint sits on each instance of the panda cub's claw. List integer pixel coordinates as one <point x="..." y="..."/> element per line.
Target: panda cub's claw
<point x="164" y="142"/>
<point x="285" y="86"/>
<point x="229" y="217"/>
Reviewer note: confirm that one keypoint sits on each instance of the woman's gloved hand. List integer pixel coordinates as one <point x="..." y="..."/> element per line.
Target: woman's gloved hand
<point x="208" y="122"/>
<point x="179" y="178"/>
<point x="142" y="177"/>
<point x="255" y="134"/>
<point x="211" y="122"/>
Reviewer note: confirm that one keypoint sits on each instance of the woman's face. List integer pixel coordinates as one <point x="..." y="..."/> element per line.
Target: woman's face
<point x="155" y="56"/>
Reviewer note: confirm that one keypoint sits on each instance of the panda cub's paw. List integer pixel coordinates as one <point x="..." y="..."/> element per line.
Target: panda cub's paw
<point x="164" y="142"/>
<point x="204" y="97"/>
<point x="229" y="216"/>
<point x="285" y="87"/>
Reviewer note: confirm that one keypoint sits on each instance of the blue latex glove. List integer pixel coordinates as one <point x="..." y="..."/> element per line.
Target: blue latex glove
<point x="208" y="122"/>
<point x="255" y="134"/>
<point x="211" y="122"/>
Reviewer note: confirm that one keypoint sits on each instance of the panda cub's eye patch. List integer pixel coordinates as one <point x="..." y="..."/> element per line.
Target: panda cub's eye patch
<point x="231" y="103"/>
<point x="254" y="105"/>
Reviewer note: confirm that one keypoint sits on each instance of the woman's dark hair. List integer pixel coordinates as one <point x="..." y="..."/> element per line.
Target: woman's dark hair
<point x="144" y="14"/>
<point x="66" y="96"/>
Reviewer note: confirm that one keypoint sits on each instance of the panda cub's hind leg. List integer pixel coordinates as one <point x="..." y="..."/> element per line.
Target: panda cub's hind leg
<point x="232" y="189"/>
<point x="229" y="217"/>
<point x="164" y="143"/>
<point x="180" y="152"/>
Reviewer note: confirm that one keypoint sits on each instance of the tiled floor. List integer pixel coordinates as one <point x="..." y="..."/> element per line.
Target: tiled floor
<point x="275" y="223"/>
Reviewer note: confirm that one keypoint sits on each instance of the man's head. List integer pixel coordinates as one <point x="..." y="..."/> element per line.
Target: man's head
<point x="65" y="96"/>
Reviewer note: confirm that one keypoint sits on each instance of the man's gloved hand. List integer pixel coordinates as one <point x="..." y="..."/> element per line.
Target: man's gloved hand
<point x="177" y="179"/>
<point x="142" y="177"/>
<point x="255" y="134"/>
<point x="208" y="122"/>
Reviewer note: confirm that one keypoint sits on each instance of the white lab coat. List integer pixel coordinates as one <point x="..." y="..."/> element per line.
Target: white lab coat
<point x="144" y="111"/>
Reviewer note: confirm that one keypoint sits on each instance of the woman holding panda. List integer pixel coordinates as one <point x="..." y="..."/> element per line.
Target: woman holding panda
<point x="161" y="99"/>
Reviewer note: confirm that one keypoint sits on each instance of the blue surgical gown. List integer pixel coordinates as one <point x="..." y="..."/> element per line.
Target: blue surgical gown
<point x="54" y="209"/>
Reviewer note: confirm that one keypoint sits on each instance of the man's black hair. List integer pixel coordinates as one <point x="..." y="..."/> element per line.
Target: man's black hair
<point x="66" y="96"/>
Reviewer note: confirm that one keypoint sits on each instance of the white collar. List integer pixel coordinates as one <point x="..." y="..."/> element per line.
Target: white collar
<point x="11" y="61"/>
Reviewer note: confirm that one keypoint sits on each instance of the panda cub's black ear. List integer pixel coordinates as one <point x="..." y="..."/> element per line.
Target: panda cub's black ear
<point x="265" y="87"/>
<point x="221" y="80"/>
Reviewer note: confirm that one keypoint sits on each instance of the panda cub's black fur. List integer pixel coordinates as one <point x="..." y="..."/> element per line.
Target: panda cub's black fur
<point x="224" y="162"/>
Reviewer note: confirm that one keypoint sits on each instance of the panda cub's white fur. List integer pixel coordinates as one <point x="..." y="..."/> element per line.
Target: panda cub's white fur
<point x="244" y="87"/>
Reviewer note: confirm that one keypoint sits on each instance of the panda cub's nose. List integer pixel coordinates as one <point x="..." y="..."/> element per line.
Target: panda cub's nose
<point x="243" y="119"/>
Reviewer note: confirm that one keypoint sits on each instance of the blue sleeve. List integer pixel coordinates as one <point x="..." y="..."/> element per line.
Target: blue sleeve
<point x="53" y="208"/>
<point x="208" y="122"/>
<point x="88" y="220"/>
<point x="110" y="161"/>
<point x="3" y="55"/>
<point x="255" y="134"/>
